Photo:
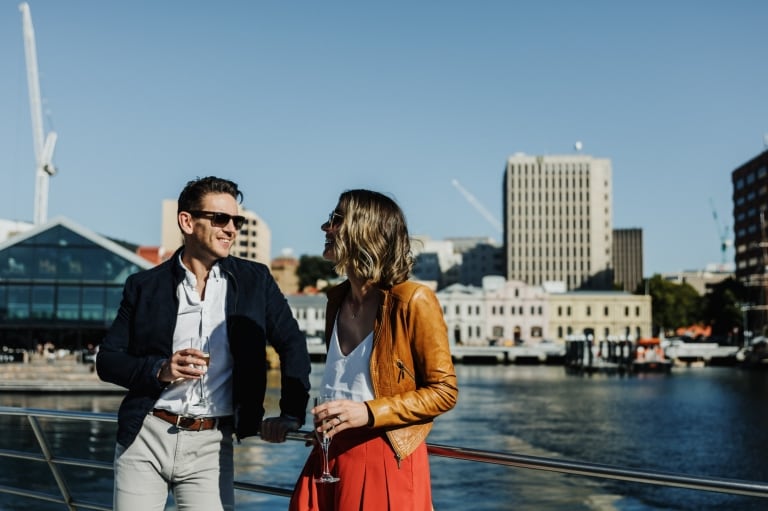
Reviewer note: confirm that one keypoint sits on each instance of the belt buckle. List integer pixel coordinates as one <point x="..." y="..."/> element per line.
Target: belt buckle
<point x="186" y="423"/>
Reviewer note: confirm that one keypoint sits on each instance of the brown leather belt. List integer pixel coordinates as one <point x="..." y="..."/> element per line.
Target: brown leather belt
<point x="189" y="423"/>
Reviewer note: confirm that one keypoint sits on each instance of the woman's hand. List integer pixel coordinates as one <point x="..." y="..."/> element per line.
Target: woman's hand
<point x="338" y="415"/>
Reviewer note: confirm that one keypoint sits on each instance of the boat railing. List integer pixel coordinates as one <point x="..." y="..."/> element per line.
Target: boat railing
<point x="563" y="466"/>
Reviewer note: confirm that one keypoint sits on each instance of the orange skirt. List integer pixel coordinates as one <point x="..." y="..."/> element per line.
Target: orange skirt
<point x="371" y="479"/>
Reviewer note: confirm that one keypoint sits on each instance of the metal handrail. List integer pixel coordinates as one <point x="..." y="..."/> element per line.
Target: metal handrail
<point x="563" y="466"/>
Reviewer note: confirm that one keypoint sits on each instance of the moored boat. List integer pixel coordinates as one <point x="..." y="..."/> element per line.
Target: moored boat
<point x="649" y="357"/>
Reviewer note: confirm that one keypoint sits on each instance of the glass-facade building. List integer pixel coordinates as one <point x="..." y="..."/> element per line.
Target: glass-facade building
<point x="61" y="283"/>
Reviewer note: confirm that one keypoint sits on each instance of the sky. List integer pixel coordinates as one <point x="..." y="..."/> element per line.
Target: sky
<point x="299" y="101"/>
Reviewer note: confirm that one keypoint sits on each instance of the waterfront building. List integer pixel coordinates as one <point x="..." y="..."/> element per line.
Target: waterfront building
<point x="61" y="283"/>
<point x="9" y="228"/>
<point x="604" y="315"/>
<point x="750" y="228"/>
<point x="628" y="258"/>
<point x="254" y="241"/>
<point x="505" y="312"/>
<point x="480" y="257"/>
<point x="558" y="220"/>
<point x="284" y="270"/>
<point x="309" y="311"/>
<point x="435" y="261"/>
<point x="500" y="312"/>
<point x="700" y="280"/>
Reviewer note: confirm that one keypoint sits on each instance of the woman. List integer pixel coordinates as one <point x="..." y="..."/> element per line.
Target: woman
<point x="388" y="369"/>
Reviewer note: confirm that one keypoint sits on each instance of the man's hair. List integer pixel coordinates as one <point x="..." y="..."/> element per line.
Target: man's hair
<point x="191" y="197"/>
<point x="373" y="238"/>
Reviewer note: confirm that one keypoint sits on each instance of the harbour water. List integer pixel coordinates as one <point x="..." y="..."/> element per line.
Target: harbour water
<point x="700" y="421"/>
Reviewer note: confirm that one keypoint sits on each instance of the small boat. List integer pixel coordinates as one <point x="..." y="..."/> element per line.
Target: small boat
<point x="649" y="357"/>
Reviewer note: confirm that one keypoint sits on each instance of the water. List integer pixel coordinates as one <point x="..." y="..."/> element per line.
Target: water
<point x="704" y="421"/>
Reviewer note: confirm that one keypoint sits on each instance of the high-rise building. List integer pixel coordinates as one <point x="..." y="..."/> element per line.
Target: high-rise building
<point x="558" y="220"/>
<point x="750" y="227"/>
<point x="254" y="241"/>
<point x="628" y="258"/>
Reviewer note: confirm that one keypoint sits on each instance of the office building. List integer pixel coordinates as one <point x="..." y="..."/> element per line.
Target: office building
<point x="628" y="258"/>
<point x="480" y="257"/>
<point x="558" y="220"/>
<point x="435" y="261"/>
<point x="750" y="228"/>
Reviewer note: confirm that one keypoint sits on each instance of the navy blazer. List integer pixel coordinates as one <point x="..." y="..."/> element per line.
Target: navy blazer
<point x="141" y="337"/>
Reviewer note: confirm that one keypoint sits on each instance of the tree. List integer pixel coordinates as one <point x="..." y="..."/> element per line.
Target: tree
<point x="673" y="305"/>
<point x="314" y="268"/>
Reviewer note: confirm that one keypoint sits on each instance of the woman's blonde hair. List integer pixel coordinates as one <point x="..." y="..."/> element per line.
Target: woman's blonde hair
<point x="372" y="241"/>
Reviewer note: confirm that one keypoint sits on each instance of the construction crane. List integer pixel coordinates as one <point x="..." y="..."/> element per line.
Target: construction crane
<point x="722" y="232"/>
<point x="43" y="144"/>
<point x="480" y="208"/>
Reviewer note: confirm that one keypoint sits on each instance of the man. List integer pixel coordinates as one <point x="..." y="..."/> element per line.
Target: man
<point x="176" y="423"/>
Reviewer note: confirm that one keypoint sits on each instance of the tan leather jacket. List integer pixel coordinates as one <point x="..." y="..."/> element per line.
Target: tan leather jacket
<point x="411" y="367"/>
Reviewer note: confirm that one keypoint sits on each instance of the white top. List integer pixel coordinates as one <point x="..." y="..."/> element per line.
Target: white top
<point x="202" y="324"/>
<point x="348" y="377"/>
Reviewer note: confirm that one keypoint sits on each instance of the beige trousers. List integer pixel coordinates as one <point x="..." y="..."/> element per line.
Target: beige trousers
<point x="196" y="466"/>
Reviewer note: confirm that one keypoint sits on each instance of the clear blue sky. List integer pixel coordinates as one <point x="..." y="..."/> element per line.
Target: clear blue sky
<point x="298" y="101"/>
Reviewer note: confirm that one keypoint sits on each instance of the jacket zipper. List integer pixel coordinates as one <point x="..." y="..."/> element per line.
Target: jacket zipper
<point x="404" y="369"/>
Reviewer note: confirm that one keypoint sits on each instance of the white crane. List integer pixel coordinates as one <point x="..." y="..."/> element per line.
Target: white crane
<point x="476" y="203"/>
<point x="44" y="145"/>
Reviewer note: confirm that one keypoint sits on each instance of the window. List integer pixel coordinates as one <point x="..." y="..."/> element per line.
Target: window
<point x="42" y="302"/>
<point x="18" y="302"/>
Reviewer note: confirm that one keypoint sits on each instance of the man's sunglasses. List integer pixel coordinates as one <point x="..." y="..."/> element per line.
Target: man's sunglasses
<point x="219" y="219"/>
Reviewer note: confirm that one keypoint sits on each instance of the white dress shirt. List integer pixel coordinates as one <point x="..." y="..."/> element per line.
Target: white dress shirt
<point x="202" y="324"/>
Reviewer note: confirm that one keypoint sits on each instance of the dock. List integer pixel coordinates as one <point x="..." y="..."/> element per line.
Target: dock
<point x="64" y="374"/>
<point x="521" y="355"/>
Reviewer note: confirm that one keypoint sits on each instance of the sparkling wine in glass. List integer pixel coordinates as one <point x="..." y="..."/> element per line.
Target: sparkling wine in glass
<point x="203" y="399"/>
<point x="325" y="443"/>
<point x="202" y="345"/>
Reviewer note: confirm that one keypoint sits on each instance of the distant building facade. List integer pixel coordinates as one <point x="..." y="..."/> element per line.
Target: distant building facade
<point x="750" y="201"/>
<point x="480" y="257"/>
<point x="9" y="228"/>
<point x="628" y="258"/>
<point x="435" y="261"/>
<point x="605" y="315"/>
<point x="700" y="280"/>
<point x="501" y="312"/>
<point x="61" y="283"/>
<point x="309" y="311"/>
<point x="254" y="241"/>
<point x="284" y="270"/>
<point x="558" y="220"/>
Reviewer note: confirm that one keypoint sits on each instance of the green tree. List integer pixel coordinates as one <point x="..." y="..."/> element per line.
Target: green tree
<point x="673" y="305"/>
<point x="314" y="268"/>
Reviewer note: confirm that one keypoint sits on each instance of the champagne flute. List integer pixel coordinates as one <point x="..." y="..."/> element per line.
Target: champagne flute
<point x="203" y="401"/>
<point x="325" y="443"/>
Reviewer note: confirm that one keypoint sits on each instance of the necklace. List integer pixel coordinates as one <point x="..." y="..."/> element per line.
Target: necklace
<point x="352" y="310"/>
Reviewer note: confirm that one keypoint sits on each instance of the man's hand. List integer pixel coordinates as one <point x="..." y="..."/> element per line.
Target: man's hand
<point x="274" y="429"/>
